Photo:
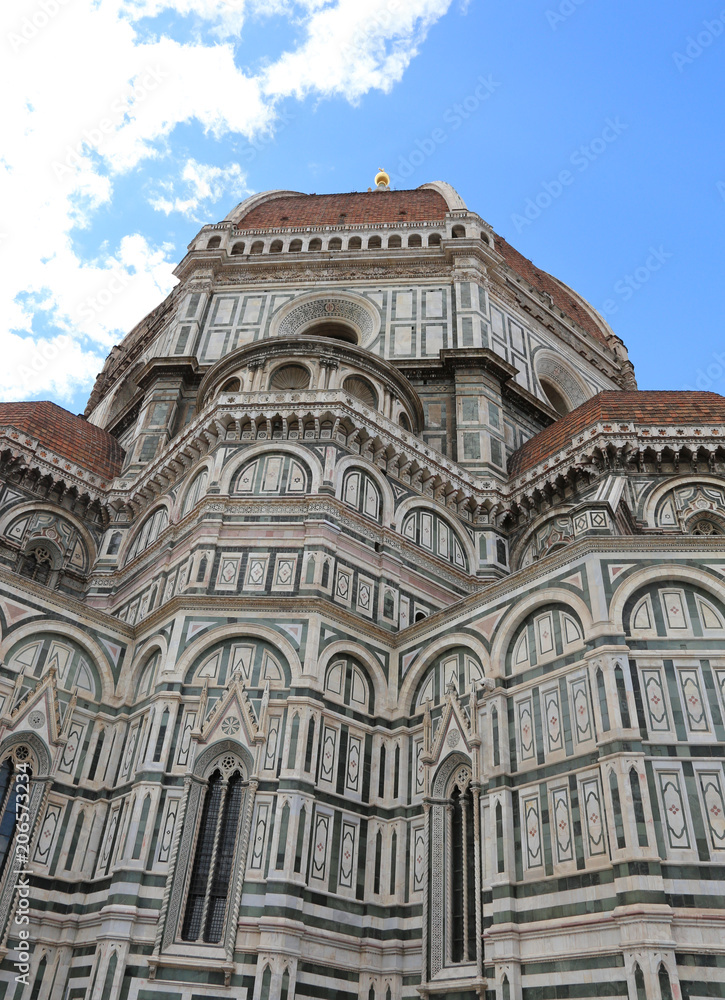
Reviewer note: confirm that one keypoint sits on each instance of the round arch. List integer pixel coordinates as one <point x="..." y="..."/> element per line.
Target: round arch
<point x="673" y="483"/>
<point x="667" y="573"/>
<point x="206" y="759"/>
<point x="164" y="503"/>
<point x="415" y="503"/>
<point x="189" y="480"/>
<point x="373" y="667"/>
<point x="550" y="367"/>
<point x="241" y="630"/>
<point x="308" y="310"/>
<point x="504" y="632"/>
<point x="32" y="508"/>
<point x="141" y="656"/>
<point x="305" y="455"/>
<point x="357" y="461"/>
<point x="520" y="546"/>
<point x="434" y="649"/>
<point x="93" y="649"/>
<point x="37" y="745"/>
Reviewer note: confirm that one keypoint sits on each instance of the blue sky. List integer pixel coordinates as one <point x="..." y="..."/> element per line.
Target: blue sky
<point x="590" y="135"/>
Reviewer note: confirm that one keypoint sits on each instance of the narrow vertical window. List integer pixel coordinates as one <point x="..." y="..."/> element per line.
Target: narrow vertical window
<point x="39" y="976"/>
<point x="602" y="692"/>
<point x="639" y="983"/>
<point x="505" y="989"/>
<point x="226" y="845"/>
<point x="495" y="737"/>
<point x="282" y="842"/>
<point x="284" y="992"/>
<point x="457" y="868"/>
<point x="378" y="862"/>
<point x="97" y="754"/>
<point x="381" y="774"/>
<point x="665" y="985"/>
<point x="8" y="788"/>
<point x="141" y="832"/>
<point x="162" y="736"/>
<point x="396" y="773"/>
<point x="202" y="860"/>
<point x="622" y="697"/>
<point x="300" y="839"/>
<point x="617" y="807"/>
<point x="638" y="806"/>
<point x="393" y="861"/>
<point x="501" y="863"/>
<point x="371" y="992"/>
<point x="294" y="735"/>
<point x="310" y="745"/>
<point x="77" y="830"/>
<point x="110" y="975"/>
<point x="266" y="983"/>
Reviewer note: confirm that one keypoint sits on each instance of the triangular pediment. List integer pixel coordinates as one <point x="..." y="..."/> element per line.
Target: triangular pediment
<point x="231" y="717"/>
<point x="38" y="711"/>
<point x="453" y="731"/>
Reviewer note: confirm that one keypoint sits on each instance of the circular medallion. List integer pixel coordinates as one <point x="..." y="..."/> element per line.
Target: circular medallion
<point x="230" y="725"/>
<point x="36" y="720"/>
<point x="453" y="738"/>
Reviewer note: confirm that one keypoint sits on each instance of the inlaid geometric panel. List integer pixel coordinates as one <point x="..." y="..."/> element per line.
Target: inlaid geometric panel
<point x="580" y="711"/>
<point x="259" y="837"/>
<point x="673" y="606"/>
<point x="673" y="810"/>
<point x="658" y="720"/>
<point x="418" y="865"/>
<point x="692" y="699"/>
<point x="166" y="833"/>
<point x="545" y="635"/>
<point x="561" y="824"/>
<point x="531" y="820"/>
<point x="347" y="855"/>
<point x="593" y="813"/>
<point x="270" y="750"/>
<point x="419" y="768"/>
<point x="256" y="574"/>
<point x="552" y="720"/>
<point x="228" y="572"/>
<point x="70" y="750"/>
<point x="352" y="775"/>
<point x="321" y="832"/>
<point x="46" y="834"/>
<point x="527" y="749"/>
<point x="711" y="789"/>
<point x="327" y="757"/>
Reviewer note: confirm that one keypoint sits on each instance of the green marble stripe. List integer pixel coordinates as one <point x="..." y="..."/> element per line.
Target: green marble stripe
<point x="692" y="988"/>
<point x="327" y="971"/>
<point x="565" y="991"/>
<point x="613" y="961"/>
<point x="702" y="961"/>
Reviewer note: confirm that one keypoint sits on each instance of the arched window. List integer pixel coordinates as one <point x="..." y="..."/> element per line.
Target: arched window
<point x="294" y="736"/>
<point x="38" y="563"/>
<point x="704" y="526"/>
<point x="214" y="243"/>
<point x="638" y="807"/>
<point x="232" y="385"/>
<point x="39" y="976"/>
<point x="282" y="840"/>
<point x="617" y="808"/>
<point x="495" y="737"/>
<point x="146" y="678"/>
<point x="141" y="832"/>
<point x="434" y="240"/>
<point x="148" y="532"/>
<point x="622" y="697"/>
<point x="463" y="880"/>
<point x="378" y="862"/>
<point x="284" y="991"/>
<point x="458" y="232"/>
<point x="257" y="247"/>
<point x="309" y="749"/>
<point x="500" y="855"/>
<point x="354" y="243"/>
<point x="276" y="246"/>
<point x="375" y="243"/>
<point x="335" y="244"/>
<point x="98" y="750"/>
<point x="201" y="572"/>
<point x="639" y="983"/>
<point x="395" y="243"/>
<point x="381" y="773"/>
<point x="664" y="980"/>
<point x="266" y="983"/>
<point x="195" y="492"/>
<point x="301" y="824"/>
<point x="555" y="397"/>
<point x="432" y="532"/>
<point x="211" y="868"/>
<point x="415" y="240"/>
<point x="295" y="246"/>
<point x="602" y="694"/>
<point x="161" y="736"/>
<point x="114" y="543"/>
<point x="237" y="249"/>
<point x="9" y="787"/>
<point x="359" y="490"/>
<point x="315" y="244"/>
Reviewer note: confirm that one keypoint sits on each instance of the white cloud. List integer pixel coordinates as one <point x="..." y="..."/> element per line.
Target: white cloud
<point x="90" y="95"/>
<point x="203" y="182"/>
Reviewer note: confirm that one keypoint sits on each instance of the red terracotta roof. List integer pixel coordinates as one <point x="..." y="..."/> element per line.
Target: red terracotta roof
<point x="69" y="436"/>
<point x="635" y="407"/>
<point x="346" y="209"/>
<point x="545" y="283"/>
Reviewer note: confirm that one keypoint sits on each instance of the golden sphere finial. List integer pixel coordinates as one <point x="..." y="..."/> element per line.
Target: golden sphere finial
<point x="382" y="179"/>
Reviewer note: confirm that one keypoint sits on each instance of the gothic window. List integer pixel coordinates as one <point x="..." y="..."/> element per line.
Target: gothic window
<point x="301" y="823"/>
<point x="294" y="736"/>
<point x="273" y="475"/>
<point x="78" y="829"/>
<point x="8" y="792"/>
<point x="39" y="976"/>
<point x="638" y="807"/>
<point x="622" y="697"/>
<point x="602" y="695"/>
<point x="703" y="526"/>
<point x="146" y="679"/>
<point x="452" y="896"/>
<point x="195" y="492"/>
<point x="148" y="532"/>
<point x="98" y="750"/>
<point x="457" y="666"/>
<point x="639" y="983"/>
<point x="232" y="385"/>
<point x="114" y="544"/>
<point x="218" y="825"/>
<point x="161" y="736"/>
<point x="359" y="490"/>
<point x="665" y="986"/>
<point x="310" y="745"/>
